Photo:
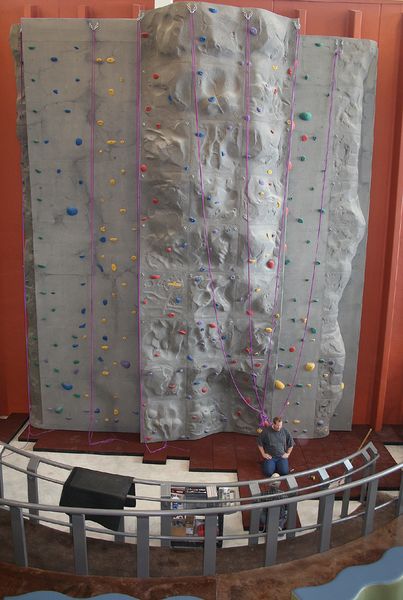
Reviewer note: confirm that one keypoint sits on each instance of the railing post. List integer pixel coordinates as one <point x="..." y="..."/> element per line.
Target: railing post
<point x="166" y="520"/>
<point x="323" y="476"/>
<point x="370" y="470"/>
<point x="143" y="546"/>
<point x="210" y="545"/>
<point x="32" y="483"/>
<point x="272" y="523"/>
<point x="372" y="490"/>
<point x="326" y="516"/>
<point x="1" y="478"/>
<point x="346" y="494"/>
<point x="292" y="507"/>
<point x="254" y="514"/>
<point x="120" y="538"/>
<point x="79" y="544"/>
<point x="18" y="536"/>
<point x="399" y="508"/>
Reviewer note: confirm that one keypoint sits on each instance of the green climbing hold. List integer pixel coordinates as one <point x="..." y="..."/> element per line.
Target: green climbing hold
<point x="302" y="158"/>
<point x="59" y="410"/>
<point x="300" y="220"/>
<point x="308" y="242"/>
<point x="317" y="262"/>
<point x="313" y="330"/>
<point x="56" y="370"/>
<point x="41" y="266"/>
<point x="76" y="362"/>
<point x="77" y="395"/>
<point x="318" y="44"/>
<point x="306" y="77"/>
<point x="305" y="116"/>
<point x="299" y="385"/>
<point x="287" y="261"/>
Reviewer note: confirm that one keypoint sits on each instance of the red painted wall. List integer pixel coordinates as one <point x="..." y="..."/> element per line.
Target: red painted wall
<point x="379" y="390"/>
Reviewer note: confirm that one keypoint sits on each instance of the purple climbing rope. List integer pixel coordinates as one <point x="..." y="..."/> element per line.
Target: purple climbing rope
<point x="92" y="232"/>
<point x="283" y="214"/>
<point x="336" y="56"/>
<point x="202" y="192"/>
<point x="247" y="118"/>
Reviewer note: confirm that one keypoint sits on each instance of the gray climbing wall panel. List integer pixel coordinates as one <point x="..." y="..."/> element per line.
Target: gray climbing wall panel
<point x="220" y="331"/>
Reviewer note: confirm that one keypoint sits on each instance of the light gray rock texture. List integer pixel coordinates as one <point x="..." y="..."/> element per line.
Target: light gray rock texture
<point x="196" y="374"/>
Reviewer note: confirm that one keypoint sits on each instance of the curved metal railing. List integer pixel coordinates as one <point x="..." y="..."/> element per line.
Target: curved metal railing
<point x="362" y="464"/>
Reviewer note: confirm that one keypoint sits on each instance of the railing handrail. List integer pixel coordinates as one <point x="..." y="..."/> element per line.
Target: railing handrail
<point x="361" y="452"/>
<point x="216" y="510"/>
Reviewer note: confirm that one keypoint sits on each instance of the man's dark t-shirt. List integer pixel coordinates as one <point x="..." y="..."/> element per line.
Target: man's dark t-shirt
<point x="275" y="443"/>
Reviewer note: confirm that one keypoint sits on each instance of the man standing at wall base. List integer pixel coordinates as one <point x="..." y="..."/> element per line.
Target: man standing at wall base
<point x="275" y="445"/>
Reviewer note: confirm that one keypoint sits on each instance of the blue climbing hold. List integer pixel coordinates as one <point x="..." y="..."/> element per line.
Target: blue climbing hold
<point x="125" y="364"/>
<point x="213" y="10"/>
<point x="79" y="141"/>
<point x="71" y="211"/>
<point x="54" y="58"/>
<point x="67" y="386"/>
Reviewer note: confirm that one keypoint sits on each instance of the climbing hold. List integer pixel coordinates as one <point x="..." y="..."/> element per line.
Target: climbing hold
<point x="304" y="138"/>
<point x="143" y="168"/>
<point x="249" y="313"/>
<point x="279" y="385"/>
<point x="105" y="373"/>
<point x="148" y="108"/>
<point x="342" y="385"/>
<point x="300" y="220"/>
<point x="213" y="10"/>
<point x="171" y="315"/>
<point x="125" y="364"/>
<point x="313" y="330"/>
<point x="111" y="91"/>
<point x="253" y="30"/>
<point x="67" y="386"/>
<point x="296" y="421"/>
<point x="105" y="347"/>
<point x="110" y="60"/>
<point x="156" y="75"/>
<point x="112" y="181"/>
<point x="309" y="366"/>
<point x="79" y="141"/>
<point x="114" y="267"/>
<point x="302" y="158"/>
<point x="291" y="348"/>
<point x="202" y="39"/>
<point x="212" y="325"/>
<point x="182" y="331"/>
<point x="305" y="116"/>
<point x="71" y="211"/>
<point x="155" y="276"/>
<point x="59" y="410"/>
<point x="270" y="264"/>
<point x="145" y="34"/>
<point x="268" y="330"/>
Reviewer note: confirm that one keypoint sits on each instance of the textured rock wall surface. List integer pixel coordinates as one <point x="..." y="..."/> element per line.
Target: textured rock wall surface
<point x="209" y="325"/>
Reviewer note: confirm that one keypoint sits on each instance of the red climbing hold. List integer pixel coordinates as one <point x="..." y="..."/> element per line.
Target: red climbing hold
<point x="155" y="201"/>
<point x="155" y="276"/>
<point x="289" y="71"/>
<point x="212" y="325"/>
<point x="304" y="138"/>
<point x="156" y="75"/>
<point x="270" y="264"/>
<point x="204" y="390"/>
<point x="145" y="34"/>
<point x="158" y="126"/>
<point x="249" y="313"/>
<point x="171" y="315"/>
<point x="182" y="331"/>
<point x="143" y="168"/>
<point x="169" y="249"/>
<point x="148" y="108"/>
<point x="292" y="348"/>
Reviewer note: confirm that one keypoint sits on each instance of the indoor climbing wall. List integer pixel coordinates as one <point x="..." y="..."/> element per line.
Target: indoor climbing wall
<point x="241" y="153"/>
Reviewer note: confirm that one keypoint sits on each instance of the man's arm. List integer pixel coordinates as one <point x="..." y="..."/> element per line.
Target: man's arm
<point x="289" y="444"/>
<point x="263" y="453"/>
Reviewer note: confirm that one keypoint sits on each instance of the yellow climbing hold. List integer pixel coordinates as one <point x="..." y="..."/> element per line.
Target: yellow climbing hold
<point x="258" y="289"/>
<point x="105" y="347"/>
<point x="110" y="60"/>
<point x="175" y="284"/>
<point x="277" y="315"/>
<point x="114" y="267"/>
<point x="124" y="337"/>
<point x="259" y="430"/>
<point x="269" y="171"/>
<point x="112" y="181"/>
<point x="268" y="329"/>
<point x="111" y="92"/>
<point x="279" y="385"/>
<point x="99" y="60"/>
<point x="113" y="239"/>
<point x="122" y="141"/>
<point x="309" y="366"/>
<point x="116" y="411"/>
<point x="123" y="171"/>
<point x="111" y="142"/>
<point x="115" y="364"/>
<point x="124" y="284"/>
<point x="100" y="122"/>
<point x="105" y="373"/>
<point x="83" y="337"/>
<point x="309" y="385"/>
<point x="278" y="203"/>
<point x="102" y="228"/>
<point x="133" y="258"/>
<point x="296" y="421"/>
<point x="103" y="320"/>
<point x="134" y="312"/>
<point x="342" y="385"/>
<point x="123" y="211"/>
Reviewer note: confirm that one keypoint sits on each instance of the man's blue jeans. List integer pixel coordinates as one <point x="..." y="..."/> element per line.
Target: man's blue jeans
<point x="275" y="465"/>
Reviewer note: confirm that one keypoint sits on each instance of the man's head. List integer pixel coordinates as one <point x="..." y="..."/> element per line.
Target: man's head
<point x="277" y="423"/>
